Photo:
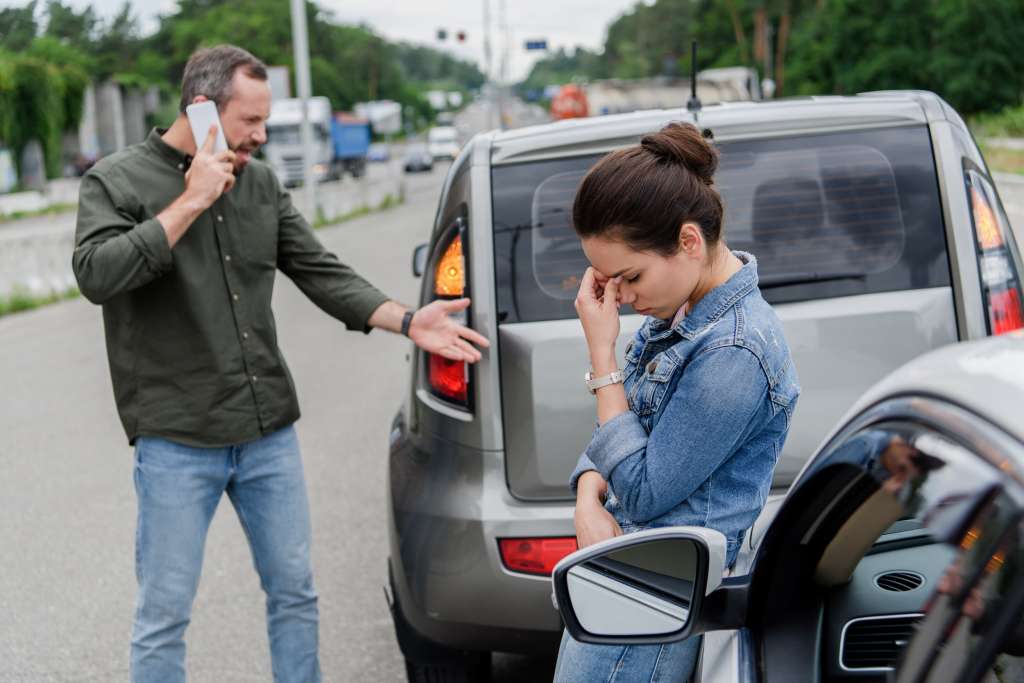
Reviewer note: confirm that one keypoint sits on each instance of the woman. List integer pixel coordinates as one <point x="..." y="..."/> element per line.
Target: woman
<point x="691" y="433"/>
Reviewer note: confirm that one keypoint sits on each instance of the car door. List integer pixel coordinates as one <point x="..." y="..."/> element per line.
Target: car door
<point x="897" y="556"/>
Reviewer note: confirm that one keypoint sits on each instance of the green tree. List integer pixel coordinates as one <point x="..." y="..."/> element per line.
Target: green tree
<point x="69" y="26"/>
<point x="18" y="27"/>
<point x="976" y="62"/>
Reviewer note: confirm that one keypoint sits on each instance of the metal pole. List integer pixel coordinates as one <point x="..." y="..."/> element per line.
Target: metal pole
<point x="489" y="82"/>
<point x="300" y="41"/>
<point x="503" y="69"/>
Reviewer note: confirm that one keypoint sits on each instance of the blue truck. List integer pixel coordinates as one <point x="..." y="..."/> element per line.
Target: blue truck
<point x="350" y="136"/>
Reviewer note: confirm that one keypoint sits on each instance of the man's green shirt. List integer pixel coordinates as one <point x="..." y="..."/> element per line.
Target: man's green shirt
<point x="190" y="334"/>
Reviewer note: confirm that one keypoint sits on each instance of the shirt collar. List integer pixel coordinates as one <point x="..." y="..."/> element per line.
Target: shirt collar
<point x="172" y="155"/>
<point x="715" y="303"/>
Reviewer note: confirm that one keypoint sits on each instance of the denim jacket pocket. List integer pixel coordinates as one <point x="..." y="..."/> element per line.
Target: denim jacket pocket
<point x="651" y="387"/>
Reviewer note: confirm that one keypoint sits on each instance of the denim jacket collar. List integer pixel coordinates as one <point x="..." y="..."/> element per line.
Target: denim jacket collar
<point x="714" y="304"/>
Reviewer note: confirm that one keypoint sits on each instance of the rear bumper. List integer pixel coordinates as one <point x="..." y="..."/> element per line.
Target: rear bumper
<point x="447" y="508"/>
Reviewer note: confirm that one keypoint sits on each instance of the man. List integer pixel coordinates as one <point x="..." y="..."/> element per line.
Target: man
<point x="180" y="246"/>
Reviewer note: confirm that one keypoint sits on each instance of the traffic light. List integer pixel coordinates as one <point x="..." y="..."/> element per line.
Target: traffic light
<point x="461" y="36"/>
<point x="442" y="34"/>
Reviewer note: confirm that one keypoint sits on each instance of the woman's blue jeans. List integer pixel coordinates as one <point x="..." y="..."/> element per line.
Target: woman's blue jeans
<point x="178" y="489"/>
<point x="585" y="663"/>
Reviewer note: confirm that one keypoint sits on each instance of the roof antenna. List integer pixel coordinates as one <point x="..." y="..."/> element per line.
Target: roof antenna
<point x="694" y="104"/>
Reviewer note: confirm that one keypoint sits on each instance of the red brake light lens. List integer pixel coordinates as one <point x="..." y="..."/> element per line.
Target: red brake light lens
<point x="448" y="378"/>
<point x="1004" y="311"/>
<point x="1000" y="284"/>
<point x="536" y="556"/>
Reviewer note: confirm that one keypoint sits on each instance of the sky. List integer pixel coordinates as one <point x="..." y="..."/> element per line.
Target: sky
<point x="563" y="23"/>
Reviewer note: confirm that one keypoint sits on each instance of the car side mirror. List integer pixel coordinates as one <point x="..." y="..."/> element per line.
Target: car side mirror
<point x="642" y="588"/>
<point x="419" y="260"/>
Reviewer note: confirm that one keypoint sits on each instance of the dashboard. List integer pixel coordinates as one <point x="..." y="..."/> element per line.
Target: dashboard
<point x="870" y="619"/>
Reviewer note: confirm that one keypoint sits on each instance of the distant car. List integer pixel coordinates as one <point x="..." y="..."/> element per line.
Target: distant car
<point x="378" y="151"/>
<point x="898" y="554"/>
<point x="417" y="158"/>
<point x="879" y="236"/>
<point x="443" y="143"/>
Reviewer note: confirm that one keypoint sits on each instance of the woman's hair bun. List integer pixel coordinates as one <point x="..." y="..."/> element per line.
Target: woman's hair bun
<point x="683" y="143"/>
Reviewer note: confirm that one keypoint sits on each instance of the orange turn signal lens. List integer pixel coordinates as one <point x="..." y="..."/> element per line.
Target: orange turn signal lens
<point x="450" y="276"/>
<point x="989" y="235"/>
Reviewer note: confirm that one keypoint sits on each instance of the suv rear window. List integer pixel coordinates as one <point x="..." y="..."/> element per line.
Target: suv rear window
<point x="826" y="215"/>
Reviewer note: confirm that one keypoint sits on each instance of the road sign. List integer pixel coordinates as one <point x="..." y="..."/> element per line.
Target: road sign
<point x="541" y="44"/>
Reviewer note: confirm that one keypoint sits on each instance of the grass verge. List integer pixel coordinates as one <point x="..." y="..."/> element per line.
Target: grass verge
<point x="52" y="209"/>
<point x="1002" y="159"/>
<point x="1008" y="123"/>
<point x="389" y="202"/>
<point x="20" y="300"/>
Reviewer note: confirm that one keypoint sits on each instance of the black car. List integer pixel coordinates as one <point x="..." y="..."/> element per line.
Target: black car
<point x="417" y="158"/>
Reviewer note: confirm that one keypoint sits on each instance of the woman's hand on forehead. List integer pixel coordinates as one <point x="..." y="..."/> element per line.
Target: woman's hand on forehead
<point x="600" y="280"/>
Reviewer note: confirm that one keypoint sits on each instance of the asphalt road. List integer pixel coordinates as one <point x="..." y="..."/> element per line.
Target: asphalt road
<point x="67" y="505"/>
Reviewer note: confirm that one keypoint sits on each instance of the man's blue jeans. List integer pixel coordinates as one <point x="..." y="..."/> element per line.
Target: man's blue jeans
<point x="178" y="489"/>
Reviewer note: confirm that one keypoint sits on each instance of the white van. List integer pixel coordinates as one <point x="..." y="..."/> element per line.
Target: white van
<point x="442" y="143"/>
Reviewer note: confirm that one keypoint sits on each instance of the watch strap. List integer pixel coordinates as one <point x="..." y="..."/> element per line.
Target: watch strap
<point x="406" y="322"/>
<point x="595" y="383"/>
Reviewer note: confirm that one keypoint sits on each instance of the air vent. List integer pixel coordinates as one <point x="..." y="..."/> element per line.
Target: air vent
<point x="899" y="582"/>
<point x="875" y="643"/>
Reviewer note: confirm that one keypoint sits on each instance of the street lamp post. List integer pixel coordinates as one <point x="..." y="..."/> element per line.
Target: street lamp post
<point x="300" y="42"/>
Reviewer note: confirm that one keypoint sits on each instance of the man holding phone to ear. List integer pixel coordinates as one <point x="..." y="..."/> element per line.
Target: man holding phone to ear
<point x="180" y="244"/>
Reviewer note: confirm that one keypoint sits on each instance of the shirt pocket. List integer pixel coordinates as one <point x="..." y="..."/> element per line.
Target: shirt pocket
<point x="257" y="233"/>
<point x="650" y="388"/>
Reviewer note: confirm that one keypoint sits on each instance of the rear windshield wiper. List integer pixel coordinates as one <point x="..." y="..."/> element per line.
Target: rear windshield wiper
<point x="786" y="279"/>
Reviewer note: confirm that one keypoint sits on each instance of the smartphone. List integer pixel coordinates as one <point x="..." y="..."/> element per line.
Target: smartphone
<point x="201" y="116"/>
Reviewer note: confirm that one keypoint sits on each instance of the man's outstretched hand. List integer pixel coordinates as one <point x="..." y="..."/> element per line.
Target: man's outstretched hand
<point x="433" y="330"/>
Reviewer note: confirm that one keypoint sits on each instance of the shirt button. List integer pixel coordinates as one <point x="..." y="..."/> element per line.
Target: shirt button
<point x="254" y="378"/>
<point x="651" y="367"/>
<point x="245" y="335"/>
<point x="181" y="167"/>
<point x="235" y="297"/>
<point x="227" y="257"/>
<point x="220" y="219"/>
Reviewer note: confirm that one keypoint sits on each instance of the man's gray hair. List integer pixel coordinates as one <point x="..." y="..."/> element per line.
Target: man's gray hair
<point x="209" y="72"/>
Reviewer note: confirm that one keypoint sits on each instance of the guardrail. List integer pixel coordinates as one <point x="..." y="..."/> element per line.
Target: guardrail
<point x="35" y="253"/>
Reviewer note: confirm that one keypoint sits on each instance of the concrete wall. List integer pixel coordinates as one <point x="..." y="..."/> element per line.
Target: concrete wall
<point x="133" y="103"/>
<point x="110" y="118"/>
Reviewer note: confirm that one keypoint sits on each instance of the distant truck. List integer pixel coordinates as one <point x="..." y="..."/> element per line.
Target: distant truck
<point x="340" y="141"/>
<point x="619" y="96"/>
<point x="351" y="137"/>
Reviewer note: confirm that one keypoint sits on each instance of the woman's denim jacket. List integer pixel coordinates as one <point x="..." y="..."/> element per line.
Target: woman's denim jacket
<point x="711" y="401"/>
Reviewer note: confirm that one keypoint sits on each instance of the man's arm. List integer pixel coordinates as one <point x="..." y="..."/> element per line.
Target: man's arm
<point x="209" y="176"/>
<point x="342" y="293"/>
<point x="114" y="253"/>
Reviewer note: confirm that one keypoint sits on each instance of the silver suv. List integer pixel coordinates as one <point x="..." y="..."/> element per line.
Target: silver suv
<point x="879" y="236"/>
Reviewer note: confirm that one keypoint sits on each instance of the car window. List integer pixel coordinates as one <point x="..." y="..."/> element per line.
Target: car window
<point x="924" y="574"/>
<point x="839" y="208"/>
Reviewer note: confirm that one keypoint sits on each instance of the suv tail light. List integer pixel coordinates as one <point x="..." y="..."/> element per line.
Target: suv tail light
<point x="1000" y="282"/>
<point x="450" y="379"/>
<point x="535" y="555"/>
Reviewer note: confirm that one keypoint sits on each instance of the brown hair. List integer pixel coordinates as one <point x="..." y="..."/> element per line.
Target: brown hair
<point x="209" y="72"/>
<point x="644" y="193"/>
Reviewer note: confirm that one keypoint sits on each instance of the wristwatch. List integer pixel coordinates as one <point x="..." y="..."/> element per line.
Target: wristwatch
<point x="595" y="383"/>
<point x="407" y="322"/>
